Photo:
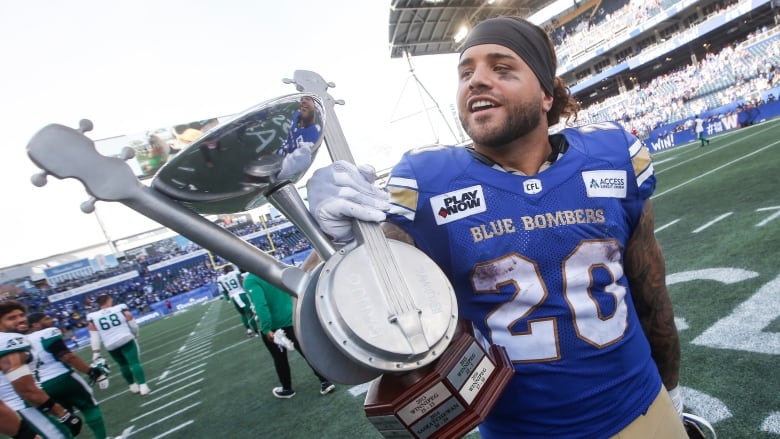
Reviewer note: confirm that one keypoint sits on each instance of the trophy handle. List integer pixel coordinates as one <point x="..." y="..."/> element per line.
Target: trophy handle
<point x="65" y="152"/>
<point x="413" y="338"/>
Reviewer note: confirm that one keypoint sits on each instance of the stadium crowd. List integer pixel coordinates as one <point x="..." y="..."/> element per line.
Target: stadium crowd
<point x="732" y="76"/>
<point x="156" y="285"/>
<point x="735" y="75"/>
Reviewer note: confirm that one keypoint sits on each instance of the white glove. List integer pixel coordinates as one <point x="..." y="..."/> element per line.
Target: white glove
<point x="677" y="400"/>
<point x="296" y="162"/>
<point x="281" y="340"/>
<point x="341" y="192"/>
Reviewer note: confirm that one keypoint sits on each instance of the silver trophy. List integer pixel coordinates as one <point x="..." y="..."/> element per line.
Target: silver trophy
<point x="375" y="310"/>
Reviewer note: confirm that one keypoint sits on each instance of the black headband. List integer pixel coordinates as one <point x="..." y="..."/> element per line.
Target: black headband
<point x="527" y="40"/>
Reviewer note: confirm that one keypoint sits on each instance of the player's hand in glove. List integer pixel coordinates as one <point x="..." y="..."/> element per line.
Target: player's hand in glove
<point x="98" y="373"/>
<point x="281" y="340"/>
<point x="73" y="422"/>
<point x="341" y="192"/>
<point x="297" y="162"/>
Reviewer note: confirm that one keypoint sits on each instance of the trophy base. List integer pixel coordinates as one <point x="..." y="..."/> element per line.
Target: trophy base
<point x="447" y="399"/>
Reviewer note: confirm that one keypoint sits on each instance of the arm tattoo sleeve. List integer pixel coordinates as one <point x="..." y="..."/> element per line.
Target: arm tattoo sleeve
<point x="646" y="273"/>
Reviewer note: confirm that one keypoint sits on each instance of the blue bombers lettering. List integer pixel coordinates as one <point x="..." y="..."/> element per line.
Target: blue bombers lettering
<point x="547" y="220"/>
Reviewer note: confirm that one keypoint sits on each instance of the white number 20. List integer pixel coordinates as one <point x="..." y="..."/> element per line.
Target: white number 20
<point x="540" y="341"/>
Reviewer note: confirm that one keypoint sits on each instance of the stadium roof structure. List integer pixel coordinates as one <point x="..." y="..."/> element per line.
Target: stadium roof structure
<point x="429" y="27"/>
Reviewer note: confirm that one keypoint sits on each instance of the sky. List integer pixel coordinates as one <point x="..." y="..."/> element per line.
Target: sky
<point x="132" y="66"/>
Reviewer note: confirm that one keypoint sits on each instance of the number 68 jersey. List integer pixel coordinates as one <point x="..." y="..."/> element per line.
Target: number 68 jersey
<point x="112" y="326"/>
<point x="537" y="266"/>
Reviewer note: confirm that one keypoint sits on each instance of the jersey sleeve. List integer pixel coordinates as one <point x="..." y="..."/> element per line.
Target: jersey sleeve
<point x="50" y="337"/>
<point x="610" y="142"/>
<point x="13" y="342"/>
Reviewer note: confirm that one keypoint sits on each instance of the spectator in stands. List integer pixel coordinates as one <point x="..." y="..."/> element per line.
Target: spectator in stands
<point x="115" y="327"/>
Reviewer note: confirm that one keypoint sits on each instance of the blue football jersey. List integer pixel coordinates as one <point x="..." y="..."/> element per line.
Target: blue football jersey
<point x="537" y="266"/>
<point x="299" y="135"/>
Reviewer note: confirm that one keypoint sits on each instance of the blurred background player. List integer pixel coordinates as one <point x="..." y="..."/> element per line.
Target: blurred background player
<point x="114" y="326"/>
<point x="54" y="372"/>
<point x="17" y="386"/>
<point x="699" y="128"/>
<point x="230" y="282"/>
<point x="11" y="424"/>
<point x="273" y="309"/>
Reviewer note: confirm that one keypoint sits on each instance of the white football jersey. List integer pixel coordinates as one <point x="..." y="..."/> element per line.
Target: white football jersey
<point x="231" y="283"/>
<point x="11" y="342"/>
<point x="45" y="366"/>
<point x="112" y="326"/>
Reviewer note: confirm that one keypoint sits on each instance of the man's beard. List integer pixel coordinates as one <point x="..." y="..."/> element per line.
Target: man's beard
<point x="523" y="118"/>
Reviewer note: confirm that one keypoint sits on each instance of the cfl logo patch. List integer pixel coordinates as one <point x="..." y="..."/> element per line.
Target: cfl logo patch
<point x="455" y="205"/>
<point x="532" y="186"/>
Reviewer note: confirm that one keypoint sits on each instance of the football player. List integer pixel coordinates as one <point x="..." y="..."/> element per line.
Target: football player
<point x="114" y="326"/>
<point x="18" y="389"/>
<point x="547" y="240"/>
<point x="230" y="282"/>
<point x="54" y="371"/>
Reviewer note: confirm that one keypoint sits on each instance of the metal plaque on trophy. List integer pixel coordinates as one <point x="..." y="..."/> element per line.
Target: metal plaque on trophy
<point x="445" y="400"/>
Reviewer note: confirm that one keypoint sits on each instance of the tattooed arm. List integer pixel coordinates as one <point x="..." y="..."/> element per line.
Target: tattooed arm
<point x="646" y="273"/>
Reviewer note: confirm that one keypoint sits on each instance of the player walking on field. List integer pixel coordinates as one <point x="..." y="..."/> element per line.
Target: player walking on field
<point x="114" y="326"/>
<point x="230" y="283"/>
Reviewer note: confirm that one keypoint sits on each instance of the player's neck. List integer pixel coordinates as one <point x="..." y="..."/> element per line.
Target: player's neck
<point x="526" y="154"/>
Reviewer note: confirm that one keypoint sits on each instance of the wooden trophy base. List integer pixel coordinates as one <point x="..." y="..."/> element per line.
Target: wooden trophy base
<point x="446" y="399"/>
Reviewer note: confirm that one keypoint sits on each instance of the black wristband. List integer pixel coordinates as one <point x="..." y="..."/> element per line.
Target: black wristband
<point x="25" y="431"/>
<point x="47" y="406"/>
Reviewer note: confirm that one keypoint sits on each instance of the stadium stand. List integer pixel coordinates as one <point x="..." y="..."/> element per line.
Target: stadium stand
<point x="151" y="279"/>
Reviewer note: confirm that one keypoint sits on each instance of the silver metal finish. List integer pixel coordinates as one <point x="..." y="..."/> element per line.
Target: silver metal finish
<point x="323" y="355"/>
<point x="67" y="153"/>
<point x="230" y="167"/>
<point x="361" y="321"/>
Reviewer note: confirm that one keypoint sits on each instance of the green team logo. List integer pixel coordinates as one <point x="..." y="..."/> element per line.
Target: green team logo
<point x="14" y="342"/>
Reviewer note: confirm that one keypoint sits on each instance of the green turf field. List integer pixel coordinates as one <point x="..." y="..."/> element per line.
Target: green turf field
<point x="718" y="220"/>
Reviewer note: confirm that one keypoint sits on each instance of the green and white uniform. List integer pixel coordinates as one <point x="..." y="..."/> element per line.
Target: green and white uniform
<point x="112" y="326"/>
<point x="43" y="425"/>
<point x="61" y="382"/>
<point x="118" y="338"/>
<point x="231" y="285"/>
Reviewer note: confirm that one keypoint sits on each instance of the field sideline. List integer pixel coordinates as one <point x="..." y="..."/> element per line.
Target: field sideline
<point x="718" y="220"/>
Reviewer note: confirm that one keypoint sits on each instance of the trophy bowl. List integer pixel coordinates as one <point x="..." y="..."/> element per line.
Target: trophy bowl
<point x="230" y="167"/>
